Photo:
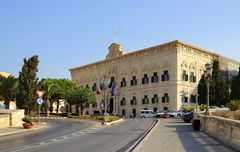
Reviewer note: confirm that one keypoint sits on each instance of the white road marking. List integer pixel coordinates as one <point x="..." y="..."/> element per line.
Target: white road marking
<point x="54" y="140"/>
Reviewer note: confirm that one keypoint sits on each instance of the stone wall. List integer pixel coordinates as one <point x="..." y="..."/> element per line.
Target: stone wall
<point x="15" y="117"/>
<point x="4" y="120"/>
<point x="226" y="130"/>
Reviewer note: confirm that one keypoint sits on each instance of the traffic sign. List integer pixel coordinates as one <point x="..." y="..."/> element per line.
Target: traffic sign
<point x="40" y="101"/>
<point x="40" y="94"/>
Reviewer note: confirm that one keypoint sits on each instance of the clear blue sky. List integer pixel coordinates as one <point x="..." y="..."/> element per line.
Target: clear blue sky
<point x="67" y="34"/>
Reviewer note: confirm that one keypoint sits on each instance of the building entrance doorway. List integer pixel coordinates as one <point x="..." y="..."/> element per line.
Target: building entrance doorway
<point x="134" y="112"/>
<point x="111" y="104"/>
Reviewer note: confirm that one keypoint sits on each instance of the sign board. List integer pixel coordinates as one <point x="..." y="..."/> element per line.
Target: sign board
<point x="40" y="101"/>
<point x="40" y="94"/>
<point x="2" y="106"/>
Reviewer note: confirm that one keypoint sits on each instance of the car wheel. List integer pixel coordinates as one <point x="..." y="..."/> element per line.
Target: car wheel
<point x="178" y="115"/>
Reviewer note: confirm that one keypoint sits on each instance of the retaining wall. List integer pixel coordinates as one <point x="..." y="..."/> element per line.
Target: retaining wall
<point x="226" y="130"/>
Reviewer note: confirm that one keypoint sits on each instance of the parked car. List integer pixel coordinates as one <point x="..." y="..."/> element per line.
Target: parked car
<point x="179" y="113"/>
<point x="172" y="113"/>
<point x="147" y="114"/>
<point x="187" y="117"/>
<point x="160" y="113"/>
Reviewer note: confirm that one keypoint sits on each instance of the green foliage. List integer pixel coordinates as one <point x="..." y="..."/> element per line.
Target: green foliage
<point x="202" y="107"/>
<point x="26" y="97"/>
<point x="49" y="87"/>
<point x="110" y="118"/>
<point x="8" y="89"/>
<point x="234" y="105"/>
<point x="81" y="97"/>
<point x="102" y="118"/>
<point x="235" y="87"/>
<point x="218" y="87"/>
<point x="189" y="108"/>
<point x="218" y="93"/>
<point x="27" y="119"/>
<point x="202" y="91"/>
<point x="62" y="88"/>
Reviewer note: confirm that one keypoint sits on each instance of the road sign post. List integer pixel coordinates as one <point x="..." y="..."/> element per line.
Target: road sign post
<point x="39" y="102"/>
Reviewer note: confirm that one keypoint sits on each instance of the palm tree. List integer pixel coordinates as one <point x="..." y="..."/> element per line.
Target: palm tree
<point x="8" y="89"/>
<point x="49" y="89"/>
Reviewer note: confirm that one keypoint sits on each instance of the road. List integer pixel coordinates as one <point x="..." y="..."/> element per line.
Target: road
<point x="76" y="136"/>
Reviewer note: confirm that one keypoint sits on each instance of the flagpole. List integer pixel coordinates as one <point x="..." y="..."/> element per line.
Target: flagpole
<point x="116" y="33"/>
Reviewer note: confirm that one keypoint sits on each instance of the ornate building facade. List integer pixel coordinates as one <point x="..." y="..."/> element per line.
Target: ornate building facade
<point x="158" y="78"/>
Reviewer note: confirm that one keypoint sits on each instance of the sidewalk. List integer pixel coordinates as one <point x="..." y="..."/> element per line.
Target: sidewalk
<point x="173" y="135"/>
<point x="8" y="131"/>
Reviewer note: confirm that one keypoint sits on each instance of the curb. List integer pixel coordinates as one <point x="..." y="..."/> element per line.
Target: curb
<point x="50" y="117"/>
<point x="111" y="123"/>
<point x="139" y="143"/>
<point x="23" y="130"/>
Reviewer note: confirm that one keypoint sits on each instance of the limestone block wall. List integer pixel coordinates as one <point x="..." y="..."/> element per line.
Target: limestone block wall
<point x="226" y="130"/>
<point x="15" y="117"/>
<point x="4" y="120"/>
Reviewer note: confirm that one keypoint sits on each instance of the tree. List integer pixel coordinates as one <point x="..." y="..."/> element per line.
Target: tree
<point x="202" y="92"/>
<point x="8" y="89"/>
<point x="81" y="97"/>
<point x="49" y="88"/>
<point x="235" y="87"/>
<point x="65" y="87"/>
<point x="26" y="97"/>
<point x="218" y="86"/>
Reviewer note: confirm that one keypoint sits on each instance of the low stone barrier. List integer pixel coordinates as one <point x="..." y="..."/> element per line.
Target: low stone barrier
<point x="4" y="120"/>
<point x="15" y="117"/>
<point x="226" y="130"/>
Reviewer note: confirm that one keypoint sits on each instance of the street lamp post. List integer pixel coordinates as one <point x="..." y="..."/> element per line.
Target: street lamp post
<point x="104" y="82"/>
<point x="207" y="74"/>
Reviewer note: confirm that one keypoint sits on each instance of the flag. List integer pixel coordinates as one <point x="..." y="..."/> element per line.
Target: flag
<point x="112" y="91"/>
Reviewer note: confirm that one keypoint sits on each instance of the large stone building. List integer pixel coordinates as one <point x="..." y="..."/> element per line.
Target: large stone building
<point x="160" y="77"/>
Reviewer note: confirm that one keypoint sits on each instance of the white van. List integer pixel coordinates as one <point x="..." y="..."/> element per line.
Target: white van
<point x="147" y="114"/>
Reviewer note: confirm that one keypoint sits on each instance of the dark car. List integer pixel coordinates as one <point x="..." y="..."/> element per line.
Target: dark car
<point x="187" y="117"/>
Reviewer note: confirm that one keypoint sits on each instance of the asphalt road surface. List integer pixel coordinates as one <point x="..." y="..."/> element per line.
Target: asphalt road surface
<point x="77" y="136"/>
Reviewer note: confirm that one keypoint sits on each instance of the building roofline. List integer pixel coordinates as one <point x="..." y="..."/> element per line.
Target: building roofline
<point x="153" y="47"/>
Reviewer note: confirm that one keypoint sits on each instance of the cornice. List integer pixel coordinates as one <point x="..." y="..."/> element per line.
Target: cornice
<point x="182" y="46"/>
<point x="140" y="53"/>
<point x="177" y="45"/>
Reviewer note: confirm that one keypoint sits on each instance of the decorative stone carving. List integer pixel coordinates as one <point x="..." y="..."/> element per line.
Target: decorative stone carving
<point x="184" y="64"/>
<point x="123" y="72"/>
<point x="133" y="70"/>
<point x="192" y="66"/>
<point x="165" y="65"/>
<point x="202" y="69"/>
<point x="145" y="68"/>
<point x="114" y="51"/>
<point x="155" y="66"/>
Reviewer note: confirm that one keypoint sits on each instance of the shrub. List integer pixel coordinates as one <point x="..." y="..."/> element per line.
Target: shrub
<point x="189" y="108"/>
<point x="27" y="119"/>
<point x="202" y="107"/>
<point x="102" y="118"/>
<point x="110" y="118"/>
<point x="234" y="105"/>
